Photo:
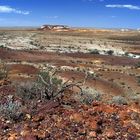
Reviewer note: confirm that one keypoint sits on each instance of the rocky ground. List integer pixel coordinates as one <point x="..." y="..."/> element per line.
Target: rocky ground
<point x="68" y="119"/>
<point x="110" y="105"/>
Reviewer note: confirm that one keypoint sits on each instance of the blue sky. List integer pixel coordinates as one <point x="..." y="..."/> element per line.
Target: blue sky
<point x="82" y="13"/>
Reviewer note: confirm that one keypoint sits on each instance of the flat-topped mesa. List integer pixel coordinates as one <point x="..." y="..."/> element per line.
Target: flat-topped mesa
<point x="55" y="27"/>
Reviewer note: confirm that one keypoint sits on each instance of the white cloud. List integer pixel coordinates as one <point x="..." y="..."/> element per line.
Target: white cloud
<point x="129" y="6"/>
<point x="52" y="17"/>
<point x="8" y="9"/>
<point x="93" y="0"/>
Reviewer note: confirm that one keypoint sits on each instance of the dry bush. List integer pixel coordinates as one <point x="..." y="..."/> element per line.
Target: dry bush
<point x="3" y="71"/>
<point x="54" y="87"/>
<point x="119" y="100"/>
<point x="95" y="51"/>
<point x="47" y="87"/>
<point x="28" y="91"/>
<point x="88" y="96"/>
<point x="138" y="65"/>
<point x="110" y="52"/>
<point x="11" y="110"/>
<point x="135" y="98"/>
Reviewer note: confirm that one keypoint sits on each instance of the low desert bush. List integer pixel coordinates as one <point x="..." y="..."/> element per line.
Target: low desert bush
<point x="89" y="95"/>
<point x="126" y="54"/>
<point x="138" y="80"/>
<point x="47" y="87"/>
<point x="110" y="52"/>
<point x="95" y="51"/>
<point x="3" y="71"/>
<point x="2" y="75"/>
<point x="2" y="46"/>
<point x="50" y="83"/>
<point x="138" y="65"/>
<point x="135" y="98"/>
<point x="11" y="110"/>
<point x="119" y="100"/>
<point x="28" y="91"/>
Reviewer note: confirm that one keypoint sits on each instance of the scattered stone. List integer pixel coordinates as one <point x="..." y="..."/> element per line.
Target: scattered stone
<point x="92" y="125"/>
<point x="82" y="132"/>
<point x="109" y="133"/>
<point x="28" y="116"/>
<point x="13" y="136"/>
<point x="76" y="117"/>
<point x="92" y="134"/>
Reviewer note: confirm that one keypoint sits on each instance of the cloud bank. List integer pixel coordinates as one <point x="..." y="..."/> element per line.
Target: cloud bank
<point x="8" y="9"/>
<point x="129" y="6"/>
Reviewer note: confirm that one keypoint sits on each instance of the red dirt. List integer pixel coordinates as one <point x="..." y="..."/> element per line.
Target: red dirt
<point x="36" y="56"/>
<point x="20" y="68"/>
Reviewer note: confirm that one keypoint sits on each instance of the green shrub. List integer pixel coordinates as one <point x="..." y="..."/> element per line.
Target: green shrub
<point x="31" y="42"/>
<point x="95" y="51"/>
<point x="47" y="87"/>
<point x="138" y="79"/>
<point x="89" y="95"/>
<point x="2" y="46"/>
<point x="3" y="71"/>
<point x="138" y="65"/>
<point x="126" y="54"/>
<point x="110" y="52"/>
<point x="52" y="80"/>
<point x="136" y="98"/>
<point x="119" y="100"/>
<point x="2" y="75"/>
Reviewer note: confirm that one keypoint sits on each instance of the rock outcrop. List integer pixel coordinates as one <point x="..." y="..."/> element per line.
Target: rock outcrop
<point x="55" y="27"/>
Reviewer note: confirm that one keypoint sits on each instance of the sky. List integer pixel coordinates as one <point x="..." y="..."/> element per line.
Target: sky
<point x="76" y="13"/>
